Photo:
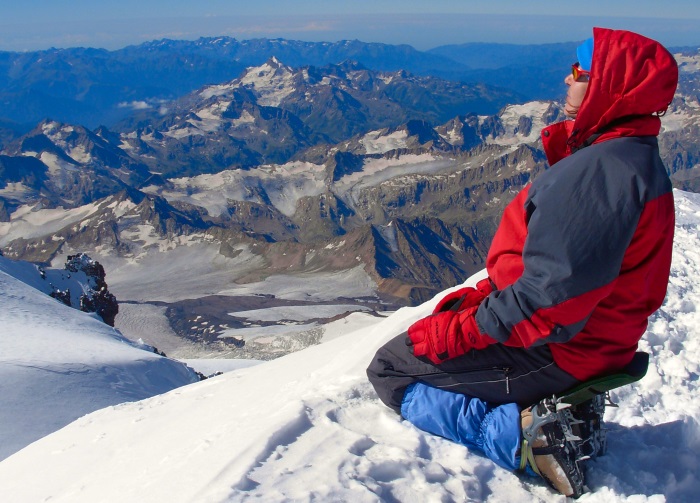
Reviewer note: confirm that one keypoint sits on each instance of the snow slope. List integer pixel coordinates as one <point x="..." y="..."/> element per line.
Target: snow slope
<point x="57" y="363"/>
<point x="308" y="427"/>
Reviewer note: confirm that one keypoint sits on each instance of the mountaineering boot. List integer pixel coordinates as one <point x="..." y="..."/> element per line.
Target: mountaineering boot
<point x="561" y="432"/>
<point x="587" y="423"/>
<point x="550" y="448"/>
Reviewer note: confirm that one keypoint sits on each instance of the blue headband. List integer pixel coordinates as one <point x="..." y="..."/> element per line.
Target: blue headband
<point x="584" y="53"/>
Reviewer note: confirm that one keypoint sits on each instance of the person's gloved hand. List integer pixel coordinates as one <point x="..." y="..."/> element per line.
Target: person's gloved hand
<point x="457" y="299"/>
<point x="465" y="297"/>
<point x="485" y="286"/>
<point x="446" y="335"/>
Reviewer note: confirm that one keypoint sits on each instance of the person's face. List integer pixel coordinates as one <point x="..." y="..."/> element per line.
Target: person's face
<point x="574" y="95"/>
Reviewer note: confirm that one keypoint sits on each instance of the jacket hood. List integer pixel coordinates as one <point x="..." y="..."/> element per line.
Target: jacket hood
<point x="633" y="80"/>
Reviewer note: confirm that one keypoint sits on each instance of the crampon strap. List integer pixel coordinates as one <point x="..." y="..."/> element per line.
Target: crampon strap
<point x="527" y="457"/>
<point x="528" y="453"/>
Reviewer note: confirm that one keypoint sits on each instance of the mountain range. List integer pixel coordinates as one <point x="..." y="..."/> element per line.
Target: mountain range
<point x="272" y="112"/>
<point x="287" y="175"/>
<point x="286" y="160"/>
<point x="96" y="87"/>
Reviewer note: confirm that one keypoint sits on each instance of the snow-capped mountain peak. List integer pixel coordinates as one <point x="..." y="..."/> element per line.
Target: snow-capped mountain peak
<point x="520" y="124"/>
<point x="271" y="82"/>
<point x="688" y="63"/>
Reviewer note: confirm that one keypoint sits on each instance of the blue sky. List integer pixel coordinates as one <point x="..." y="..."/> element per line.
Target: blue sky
<point x="40" y="24"/>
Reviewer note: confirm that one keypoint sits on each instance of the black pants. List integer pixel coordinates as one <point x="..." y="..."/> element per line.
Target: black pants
<point x="498" y="374"/>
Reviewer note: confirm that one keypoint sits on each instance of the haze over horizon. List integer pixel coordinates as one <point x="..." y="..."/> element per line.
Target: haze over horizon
<point x="37" y="24"/>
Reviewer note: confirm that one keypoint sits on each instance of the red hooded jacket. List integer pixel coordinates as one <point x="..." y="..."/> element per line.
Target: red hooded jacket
<point x="582" y="255"/>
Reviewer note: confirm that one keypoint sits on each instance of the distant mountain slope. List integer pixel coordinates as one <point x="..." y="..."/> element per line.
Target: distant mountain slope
<point x="537" y="71"/>
<point x="272" y="112"/>
<point x="681" y="125"/>
<point x="58" y="363"/>
<point x="95" y="86"/>
<point x="10" y="130"/>
<point x="68" y="165"/>
<point x="235" y="166"/>
<point x="413" y="205"/>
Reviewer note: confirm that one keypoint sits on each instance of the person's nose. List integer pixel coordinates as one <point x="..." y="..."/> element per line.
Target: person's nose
<point x="569" y="79"/>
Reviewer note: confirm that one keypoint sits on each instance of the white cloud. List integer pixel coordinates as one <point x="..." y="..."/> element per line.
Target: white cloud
<point x="134" y="105"/>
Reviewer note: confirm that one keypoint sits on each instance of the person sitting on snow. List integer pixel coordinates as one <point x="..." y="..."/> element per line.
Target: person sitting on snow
<point x="580" y="260"/>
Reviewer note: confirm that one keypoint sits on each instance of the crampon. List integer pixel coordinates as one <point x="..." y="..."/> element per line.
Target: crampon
<point x="561" y="433"/>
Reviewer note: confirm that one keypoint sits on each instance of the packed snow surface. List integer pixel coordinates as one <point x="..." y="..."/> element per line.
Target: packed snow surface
<point x="211" y="366"/>
<point x="309" y="427"/>
<point x="378" y="142"/>
<point x="58" y="364"/>
<point x="29" y="221"/>
<point x="511" y="117"/>
<point x="283" y="186"/>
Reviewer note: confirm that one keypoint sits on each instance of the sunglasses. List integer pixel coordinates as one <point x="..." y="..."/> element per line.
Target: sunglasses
<point x="579" y="74"/>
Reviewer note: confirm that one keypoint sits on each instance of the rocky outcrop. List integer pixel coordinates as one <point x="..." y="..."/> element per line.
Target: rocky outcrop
<point x="96" y="298"/>
<point x="80" y="284"/>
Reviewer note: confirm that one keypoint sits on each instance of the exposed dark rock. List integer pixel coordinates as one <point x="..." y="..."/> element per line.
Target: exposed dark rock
<point x="96" y="298"/>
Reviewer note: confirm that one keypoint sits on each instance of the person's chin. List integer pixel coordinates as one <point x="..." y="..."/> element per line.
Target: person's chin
<point x="570" y="112"/>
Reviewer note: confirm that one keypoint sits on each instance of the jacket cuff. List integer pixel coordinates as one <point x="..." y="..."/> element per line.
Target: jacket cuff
<point x="493" y="337"/>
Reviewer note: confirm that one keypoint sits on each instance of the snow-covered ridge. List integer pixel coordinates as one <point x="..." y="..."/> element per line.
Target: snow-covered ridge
<point x="309" y="427"/>
<point x="77" y="285"/>
<point x="378" y="142"/>
<point x="688" y="64"/>
<point x="522" y="123"/>
<point x="58" y="134"/>
<point x="284" y="185"/>
<point x="57" y="363"/>
<point x="683" y="112"/>
<point x="30" y="221"/>
<point x="271" y="81"/>
<point x="217" y="90"/>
